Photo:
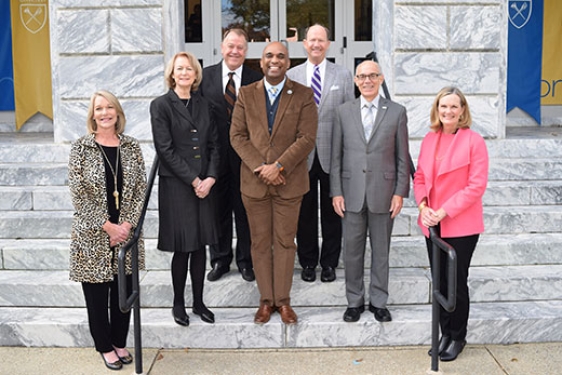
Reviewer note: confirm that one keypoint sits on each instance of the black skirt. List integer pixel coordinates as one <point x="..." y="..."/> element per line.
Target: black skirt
<point x="186" y="223"/>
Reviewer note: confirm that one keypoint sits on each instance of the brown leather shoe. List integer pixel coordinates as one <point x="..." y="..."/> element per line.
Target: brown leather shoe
<point x="288" y="315"/>
<point x="263" y="314"/>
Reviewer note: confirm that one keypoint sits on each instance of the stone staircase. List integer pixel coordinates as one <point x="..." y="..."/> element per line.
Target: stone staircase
<point x="515" y="281"/>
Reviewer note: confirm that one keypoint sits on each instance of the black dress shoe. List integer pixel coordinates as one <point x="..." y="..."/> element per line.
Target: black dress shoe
<point x="308" y="274"/>
<point x="453" y="350"/>
<point x="328" y="275"/>
<point x="217" y="272"/>
<point x="117" y="365"/>
<point x="248" y="274"/>
<point x="381" y="314"/>
<point x="352" y="314"/>
<point x="180" y="317"/>
<point x="206" y="315"/>
<point x="444" y="341"/>
<point x="127" y="359"/>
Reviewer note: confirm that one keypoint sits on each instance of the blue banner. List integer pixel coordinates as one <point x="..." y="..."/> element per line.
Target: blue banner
<point x="6" y="66"/>
<point x="524" y="57"/>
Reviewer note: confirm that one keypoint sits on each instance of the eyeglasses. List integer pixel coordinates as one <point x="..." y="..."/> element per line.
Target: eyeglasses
<point x="372" y="76"/>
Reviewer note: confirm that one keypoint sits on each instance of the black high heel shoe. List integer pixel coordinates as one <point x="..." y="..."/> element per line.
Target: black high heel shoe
<point x="180" y="317"/>
<point x="206" y="315"/>
<point x="117" y="365"/>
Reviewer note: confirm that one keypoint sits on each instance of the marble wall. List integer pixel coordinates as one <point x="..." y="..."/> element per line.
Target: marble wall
<point x="117" y="45"/>
<point x="450" y="42"/>
<point x="122" y="46"/>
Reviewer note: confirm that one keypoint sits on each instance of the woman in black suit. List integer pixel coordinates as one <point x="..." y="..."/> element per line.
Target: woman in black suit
<point x="186" y="141"/>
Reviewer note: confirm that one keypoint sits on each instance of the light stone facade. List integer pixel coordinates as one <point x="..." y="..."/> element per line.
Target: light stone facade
<point x="122" y="46"/>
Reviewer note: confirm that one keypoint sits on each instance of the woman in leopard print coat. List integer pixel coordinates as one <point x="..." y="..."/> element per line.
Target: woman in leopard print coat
<point x="104" y="220"/>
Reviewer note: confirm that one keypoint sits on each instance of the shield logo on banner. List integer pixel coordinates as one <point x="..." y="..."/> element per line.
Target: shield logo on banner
<point x="33" y="17"/>
<point x="520" y="12"/>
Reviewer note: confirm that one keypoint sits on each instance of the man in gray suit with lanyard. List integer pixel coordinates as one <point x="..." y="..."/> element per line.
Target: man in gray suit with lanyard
<point x="370" y="176"/>
<point x="332" y="85"/>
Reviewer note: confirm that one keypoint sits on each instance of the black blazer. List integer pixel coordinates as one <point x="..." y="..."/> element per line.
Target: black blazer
<point x="187" y="145"/>
<point x="212" y="89"/>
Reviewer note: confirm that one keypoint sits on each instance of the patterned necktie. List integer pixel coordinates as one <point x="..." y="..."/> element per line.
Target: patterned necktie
<point x="316" y="84"/>
<point x="273" y="94"/>
<point x="230" y="94"/>
<point x="368" y="120"/>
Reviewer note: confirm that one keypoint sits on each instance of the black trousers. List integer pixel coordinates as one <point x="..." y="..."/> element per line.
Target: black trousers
<point x="455" y="323"/>
<point x="307" y="232"/>
<point x="229" y="199"/>
<point x="108" y="330"/>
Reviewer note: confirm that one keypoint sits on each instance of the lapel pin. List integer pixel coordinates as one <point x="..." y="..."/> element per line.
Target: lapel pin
<point x="383" y="107"/>
<point x="289" y="92"/>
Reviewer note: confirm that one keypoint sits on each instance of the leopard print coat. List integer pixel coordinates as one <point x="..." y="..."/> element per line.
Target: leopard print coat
<point x="91" y="258"/>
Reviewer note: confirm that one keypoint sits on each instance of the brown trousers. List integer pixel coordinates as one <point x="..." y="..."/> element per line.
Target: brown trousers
<point x="273" y="226"/>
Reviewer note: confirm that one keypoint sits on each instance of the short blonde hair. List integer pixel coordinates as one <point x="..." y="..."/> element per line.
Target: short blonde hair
<point x="121" y="120"/>
<point x="465" y="120"/>
<point x="171" y="83"/>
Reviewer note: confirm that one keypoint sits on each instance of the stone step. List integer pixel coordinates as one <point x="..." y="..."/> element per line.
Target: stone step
<point x="52" y="224"/>
<point x="318" y="327"/>
<point x="44" y="150"/>
<point x="46" y="198"/>
<point x="43" y="174"/>
<point x="492" y="250"/>
<point x="522" y="148"/>
<point x="525" y="169"/>
<point x="34" y="152"/>
<point x="497" y="220"/>
<point x="407" y="286"/>
<point x="498" y="193"/>
<point x="56" y="173"/>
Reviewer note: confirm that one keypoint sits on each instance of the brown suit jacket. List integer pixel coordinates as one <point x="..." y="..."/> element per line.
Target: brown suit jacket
<point x="291" y="140"/>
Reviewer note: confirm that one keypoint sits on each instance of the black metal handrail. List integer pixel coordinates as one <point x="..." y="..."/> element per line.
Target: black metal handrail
<point x="126" y="302"/>
<point x="449" y="302"/>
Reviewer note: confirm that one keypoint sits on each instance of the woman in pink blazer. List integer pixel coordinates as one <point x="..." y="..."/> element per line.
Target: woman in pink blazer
<point x="449" y="184"/>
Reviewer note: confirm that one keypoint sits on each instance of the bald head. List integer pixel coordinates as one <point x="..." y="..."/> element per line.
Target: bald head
<point x="368" y="79"/>
<point x="275" y="62"/>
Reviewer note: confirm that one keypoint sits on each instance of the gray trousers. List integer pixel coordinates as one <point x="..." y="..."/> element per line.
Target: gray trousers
<point x="355" y="226"/>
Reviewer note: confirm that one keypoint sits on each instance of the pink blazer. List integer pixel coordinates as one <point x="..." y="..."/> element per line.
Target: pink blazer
<point x="460" y="182"/>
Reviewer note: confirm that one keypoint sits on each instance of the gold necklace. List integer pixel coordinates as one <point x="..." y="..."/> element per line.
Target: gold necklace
<point x="113" y="171"/>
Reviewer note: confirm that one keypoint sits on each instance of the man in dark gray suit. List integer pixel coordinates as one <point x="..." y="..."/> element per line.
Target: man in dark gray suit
<point x="332" y="85"/>
<point x="369" y="177"/>
<point x="215" y="88"/>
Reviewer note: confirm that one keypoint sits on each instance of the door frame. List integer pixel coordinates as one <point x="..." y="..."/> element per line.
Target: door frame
<point x="343" y="49"/>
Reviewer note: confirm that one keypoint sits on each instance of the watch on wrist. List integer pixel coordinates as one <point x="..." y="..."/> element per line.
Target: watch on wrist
<point x="279" y="166"/>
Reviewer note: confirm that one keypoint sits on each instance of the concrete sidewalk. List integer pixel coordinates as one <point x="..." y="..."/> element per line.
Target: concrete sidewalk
<point x="519" y="359"/>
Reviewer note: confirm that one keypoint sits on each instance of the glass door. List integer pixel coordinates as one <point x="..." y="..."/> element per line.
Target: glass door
<point x="358" y="31"/>
<point x="350" y="25"/>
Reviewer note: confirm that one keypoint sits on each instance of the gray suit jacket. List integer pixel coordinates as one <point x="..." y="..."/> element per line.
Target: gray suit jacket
<point x="337" y="89"/>
<point x="377" y="168"/>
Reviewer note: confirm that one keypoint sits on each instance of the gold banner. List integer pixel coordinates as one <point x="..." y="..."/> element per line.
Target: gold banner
<point x="32" y="59"/>
<point x="551" y="85"/>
